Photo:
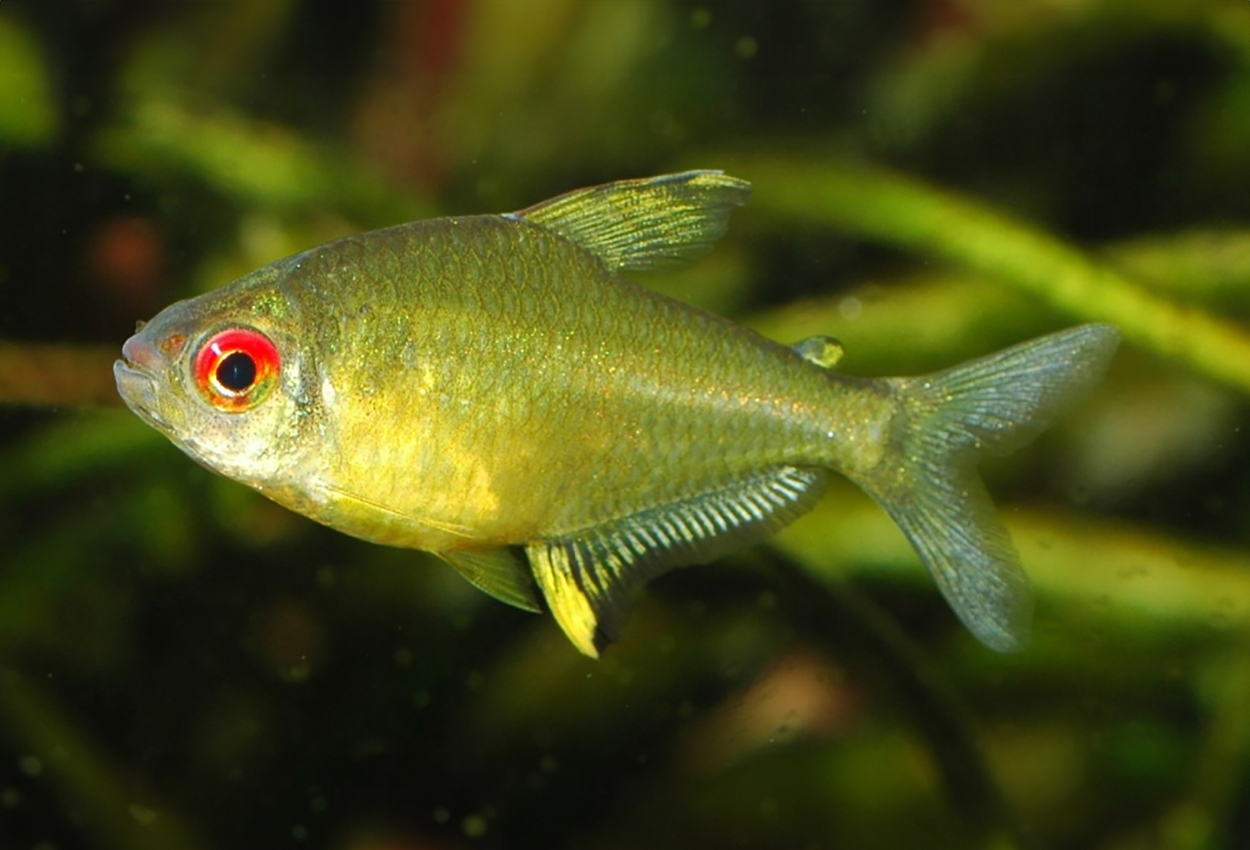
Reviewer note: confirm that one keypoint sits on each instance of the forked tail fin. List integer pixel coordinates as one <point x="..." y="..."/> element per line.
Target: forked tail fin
<point x="927" y="480"/>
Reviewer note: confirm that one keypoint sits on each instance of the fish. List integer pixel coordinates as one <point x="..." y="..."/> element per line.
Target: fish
<point x="494" y="390"/>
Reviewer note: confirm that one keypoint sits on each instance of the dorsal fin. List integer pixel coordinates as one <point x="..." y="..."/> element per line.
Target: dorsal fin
<point x="587" y="577"/>
<point x="650" y="223"/>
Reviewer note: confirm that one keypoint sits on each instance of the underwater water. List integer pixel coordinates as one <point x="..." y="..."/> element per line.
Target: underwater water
<point x="184" y="664"/>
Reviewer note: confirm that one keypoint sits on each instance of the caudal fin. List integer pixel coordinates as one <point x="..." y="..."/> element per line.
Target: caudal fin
<point x="944" y="424"/>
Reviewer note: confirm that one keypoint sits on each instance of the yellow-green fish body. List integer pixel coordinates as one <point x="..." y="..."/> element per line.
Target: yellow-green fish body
<point x="465" y="385"/>
<point x="519" y="399"/>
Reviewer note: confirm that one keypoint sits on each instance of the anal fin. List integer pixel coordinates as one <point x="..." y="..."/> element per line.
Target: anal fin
<point x="588" y="576"/>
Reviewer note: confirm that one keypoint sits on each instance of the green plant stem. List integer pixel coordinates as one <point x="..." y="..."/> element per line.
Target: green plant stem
<point x="91" y="786"/>
<point x="54" y="375"/>
<point x="874" y="203"/>
<point x="1092" y="569"/>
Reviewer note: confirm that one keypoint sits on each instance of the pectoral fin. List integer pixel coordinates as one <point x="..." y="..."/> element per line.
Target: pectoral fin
<point x="655" y="222"/>
<point x="588" y="576"/>
<point x="497" y="572"/>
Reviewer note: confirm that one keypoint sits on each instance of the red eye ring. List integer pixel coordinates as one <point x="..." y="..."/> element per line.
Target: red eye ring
<point x="236" y="368"/>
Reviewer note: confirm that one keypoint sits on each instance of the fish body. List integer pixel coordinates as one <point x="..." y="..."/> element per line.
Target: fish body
<point x="513" y="400"/>
<point x="470" y="385"/>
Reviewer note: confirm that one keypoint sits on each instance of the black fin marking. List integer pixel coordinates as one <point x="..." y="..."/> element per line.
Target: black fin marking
<point x="588" y="577"/>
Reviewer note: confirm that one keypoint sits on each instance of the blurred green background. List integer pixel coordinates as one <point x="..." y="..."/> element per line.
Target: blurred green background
<point x="185" y="665"/>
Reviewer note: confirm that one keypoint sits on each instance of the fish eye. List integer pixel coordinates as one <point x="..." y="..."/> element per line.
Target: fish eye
<point x="236" y="368"/>
<point x="237" y="372"/>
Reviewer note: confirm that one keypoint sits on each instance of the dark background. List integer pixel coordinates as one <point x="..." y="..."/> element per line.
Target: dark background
<point x="184" y="665"/>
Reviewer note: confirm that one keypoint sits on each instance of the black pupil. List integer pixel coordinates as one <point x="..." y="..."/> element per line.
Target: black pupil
<point x="237" y="372"/>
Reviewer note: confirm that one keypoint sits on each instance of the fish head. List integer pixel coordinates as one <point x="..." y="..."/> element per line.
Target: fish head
<point x="223" y="377"/>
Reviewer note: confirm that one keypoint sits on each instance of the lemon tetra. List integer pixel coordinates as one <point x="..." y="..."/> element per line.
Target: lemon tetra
<point x="471" y="385"/>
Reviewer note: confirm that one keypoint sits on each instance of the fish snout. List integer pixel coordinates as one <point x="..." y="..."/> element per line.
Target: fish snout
<point x="139" y="352"/>
<point x="137" y="376"/>
<point x="137" y="387"/>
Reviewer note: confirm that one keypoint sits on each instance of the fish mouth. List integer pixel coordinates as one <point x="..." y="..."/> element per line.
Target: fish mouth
<point x="137" y="387"/>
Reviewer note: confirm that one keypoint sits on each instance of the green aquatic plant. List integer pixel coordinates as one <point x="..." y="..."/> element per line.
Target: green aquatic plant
<point x="183" y="665"/>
